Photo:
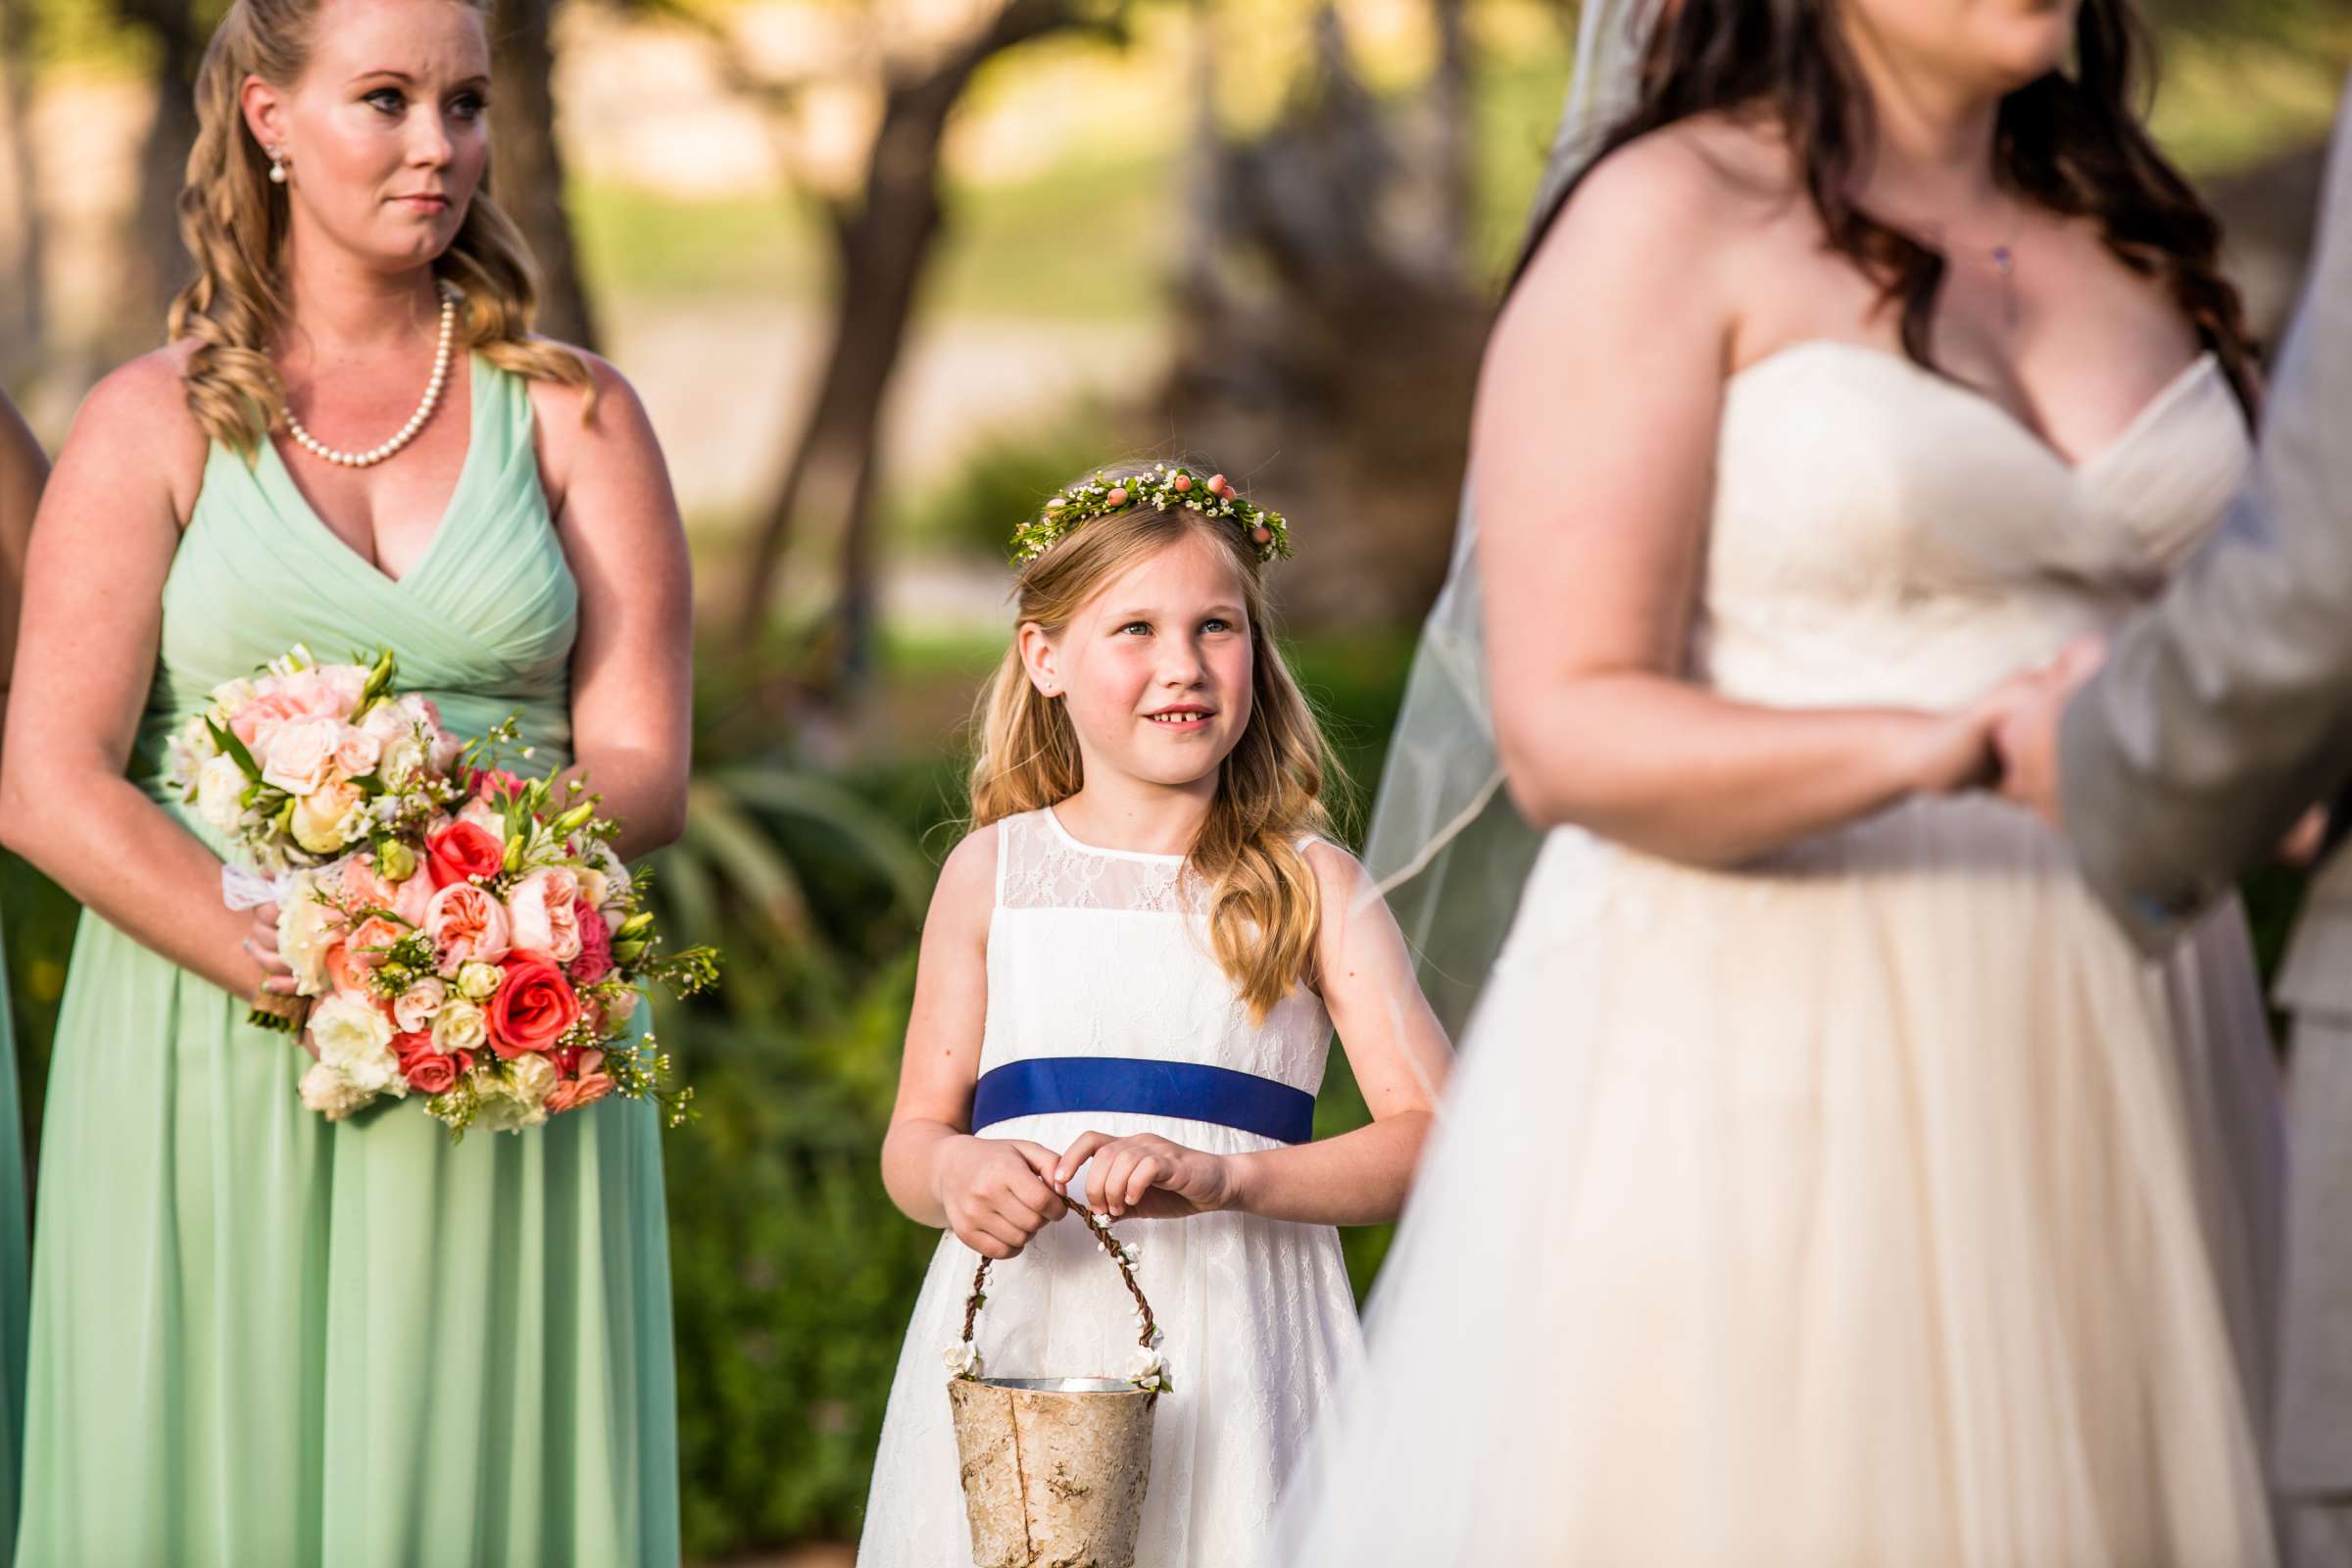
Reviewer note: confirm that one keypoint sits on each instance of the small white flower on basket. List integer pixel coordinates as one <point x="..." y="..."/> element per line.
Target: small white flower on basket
<point x="1147" y="1370"/>
<point x="963" y="1358"/>
<point x="1132" y="1253"/>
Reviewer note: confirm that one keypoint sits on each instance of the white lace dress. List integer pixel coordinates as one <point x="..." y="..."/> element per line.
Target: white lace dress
<point x="1874" y="1205"/>
<point x="1101" y="992"/>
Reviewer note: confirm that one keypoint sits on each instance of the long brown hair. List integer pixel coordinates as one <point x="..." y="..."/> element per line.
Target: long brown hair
<point x="233" y="222"/>
<point x="2074" y="144"/>
<point x="1265" y="905"/>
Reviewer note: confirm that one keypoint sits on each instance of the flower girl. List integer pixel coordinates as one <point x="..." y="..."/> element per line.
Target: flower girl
<point x="1128" y="980"/>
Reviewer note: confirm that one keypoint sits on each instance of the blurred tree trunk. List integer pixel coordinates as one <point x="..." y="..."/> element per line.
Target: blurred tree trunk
<point x="153" y="264"/>
<point x="883" y="245"/>
<point x="526" y="173"/>
<point x="1335" y="349"/>
<point x="23" y="308"/>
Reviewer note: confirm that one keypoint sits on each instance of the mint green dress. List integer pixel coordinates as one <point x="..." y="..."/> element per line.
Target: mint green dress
<point x="257" y="1339"/>
<point x="14" y="1229"/>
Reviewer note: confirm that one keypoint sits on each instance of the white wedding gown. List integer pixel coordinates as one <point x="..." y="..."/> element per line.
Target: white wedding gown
<point x="1876" y="1204"/>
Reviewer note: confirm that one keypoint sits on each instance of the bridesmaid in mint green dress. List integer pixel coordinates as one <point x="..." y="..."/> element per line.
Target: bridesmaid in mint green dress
<point x="259" y="1339"/>
<point x="22" y="467"/>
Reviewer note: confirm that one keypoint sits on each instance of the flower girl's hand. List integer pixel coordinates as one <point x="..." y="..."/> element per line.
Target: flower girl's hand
<point x="995" y="1193"/>
<point x="1148" y="1177"/>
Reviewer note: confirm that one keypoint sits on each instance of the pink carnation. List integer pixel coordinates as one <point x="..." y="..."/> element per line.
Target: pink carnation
<point x="596" y="949"/>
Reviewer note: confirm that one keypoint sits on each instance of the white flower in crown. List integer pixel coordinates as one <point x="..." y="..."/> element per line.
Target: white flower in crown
<point x="962" y="1359"/>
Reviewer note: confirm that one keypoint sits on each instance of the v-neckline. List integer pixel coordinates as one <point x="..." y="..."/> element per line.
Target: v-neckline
<point x="2172" y="390"/>
<point x="338" y="545"/>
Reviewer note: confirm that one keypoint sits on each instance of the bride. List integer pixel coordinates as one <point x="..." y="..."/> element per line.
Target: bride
<point x="1827" y="1182"/>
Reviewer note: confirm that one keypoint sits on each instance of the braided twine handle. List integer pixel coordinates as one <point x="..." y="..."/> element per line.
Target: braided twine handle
<point x="1099" y="1225"/>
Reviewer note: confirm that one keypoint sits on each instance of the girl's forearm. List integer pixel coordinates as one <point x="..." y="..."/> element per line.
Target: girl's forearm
<point x="1359" y="1178"/>
<point x="909" y="1167"/>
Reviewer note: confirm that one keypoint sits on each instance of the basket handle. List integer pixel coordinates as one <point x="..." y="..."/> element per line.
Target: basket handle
<point x="1099" y="1225"/>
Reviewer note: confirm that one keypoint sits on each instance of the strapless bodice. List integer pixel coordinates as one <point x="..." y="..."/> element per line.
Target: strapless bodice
<point x="1883" y="535"/>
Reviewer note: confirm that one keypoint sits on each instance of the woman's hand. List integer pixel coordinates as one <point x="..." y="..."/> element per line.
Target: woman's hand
<point x="1149" y="1177"/>
<point x="2304" y="841"/>
<point x="1956" y="751"/>
<point x="276" y="992"/>
<point x="260" y="945"/>
<point x="995" y="1194"/>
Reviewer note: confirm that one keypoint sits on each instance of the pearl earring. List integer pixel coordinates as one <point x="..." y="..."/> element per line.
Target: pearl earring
<point x="277" y="165"/>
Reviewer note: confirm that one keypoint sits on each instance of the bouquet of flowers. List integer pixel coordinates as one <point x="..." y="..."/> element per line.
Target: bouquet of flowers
<point x="466" y="936"/>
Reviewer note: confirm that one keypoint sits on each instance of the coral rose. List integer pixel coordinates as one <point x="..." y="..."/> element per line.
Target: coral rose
<point x="533" y="1008"/>
<point x="461" y="851"/>
<point x="429" y="1072"/>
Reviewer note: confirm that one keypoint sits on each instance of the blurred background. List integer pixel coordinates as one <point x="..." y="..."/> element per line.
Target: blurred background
<point x="886" y="273"/>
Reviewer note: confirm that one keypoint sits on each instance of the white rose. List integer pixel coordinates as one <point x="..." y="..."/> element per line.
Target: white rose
<point x="307" y="929"/>
<point x="229" y="695"/>
<point x="615" y="875"/>
<point x="219" y="784"/>
<point x="962" y="1359"/>
<point x="300" y="754"/>
<point x="513" y="1100"/>
<point x="417" y="1004"/>
<point x="355" y="1038"/>
<point x="458" y="1026"/>
<point x="497" y="1112"/>
<point x="1144" y="1366"/>
<point x="330" y="819"/>
<point x="331" y="1093"/>
<point x="595" y="888"/>
<point x="477" y="980"/>
<point x="529" y="1077"/>
<point x="482" y="814"/>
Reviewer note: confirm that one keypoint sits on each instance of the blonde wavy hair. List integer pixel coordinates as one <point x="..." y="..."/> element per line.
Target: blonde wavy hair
<point x="1264" y="907"/>
<point x="233" y="222"/>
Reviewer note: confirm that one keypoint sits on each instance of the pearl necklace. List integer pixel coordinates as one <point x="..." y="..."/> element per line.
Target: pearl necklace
<point x="424" y="411"/>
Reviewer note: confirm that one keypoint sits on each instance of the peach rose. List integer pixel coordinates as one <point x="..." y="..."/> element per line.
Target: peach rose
<point x="417" y="1004"/>
<point x="301" y="755"/>
<point x="373" y="940"/>
<point x="258" y="720"/>
<point x="346" y="972"/>
<point x="466" y="924"/>
<point x="545" y="912"/>
<point x="592" y="1085"/>
<point x="363" y="887"/>
<point x="356" y="753"/>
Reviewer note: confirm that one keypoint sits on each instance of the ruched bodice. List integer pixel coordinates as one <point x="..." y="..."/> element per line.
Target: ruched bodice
<point x="483" y="623"/>
<point x="1882" y="535"/>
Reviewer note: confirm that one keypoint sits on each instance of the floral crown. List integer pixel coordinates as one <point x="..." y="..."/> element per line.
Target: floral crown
<point x="1162" y="487"/>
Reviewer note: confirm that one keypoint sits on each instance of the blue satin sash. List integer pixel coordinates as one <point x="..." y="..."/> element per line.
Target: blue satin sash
<point x="1187" y="1090"/>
